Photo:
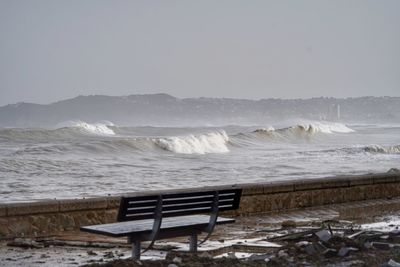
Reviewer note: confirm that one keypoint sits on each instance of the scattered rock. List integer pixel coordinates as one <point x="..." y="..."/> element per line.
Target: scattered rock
<point x="393" y="263"/>
<point x="344" y="251"/>
<point x="282" y="254"/>
<point x="231" y="255"/>
<point x="109" y="255"/>
<point x="91" y="253"/>
<point x="301" y="244"/>
<point x="324" y="235"/>
<point x="177" y="260"/>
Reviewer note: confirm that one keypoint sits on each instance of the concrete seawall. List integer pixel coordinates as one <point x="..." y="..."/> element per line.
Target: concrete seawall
<point x="50" y="217"/>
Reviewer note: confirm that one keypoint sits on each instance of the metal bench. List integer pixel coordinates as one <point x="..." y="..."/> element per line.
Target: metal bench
<point x="154" y="217"/>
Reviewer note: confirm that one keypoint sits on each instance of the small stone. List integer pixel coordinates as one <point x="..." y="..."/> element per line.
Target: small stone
<point x="177" y="260"/>
<point x="172" y="265"/>
<point x="324" y="235"/>
<point x="91" y="253"/>
<point x="231" y="255"/>
<point x="393" y="263"/>
<point x="109" y="255"/>
<point x="282" y="254"/>
<point x="344" y="251"/>
<point x="119" y="253"/>
<point x="302" y="244"/>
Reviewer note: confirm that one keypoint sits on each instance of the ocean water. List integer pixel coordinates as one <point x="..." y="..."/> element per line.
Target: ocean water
<point x="78" y="159"/>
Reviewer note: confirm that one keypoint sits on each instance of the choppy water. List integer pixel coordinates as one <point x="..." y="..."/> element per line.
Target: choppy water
<point x="83" y="160"/>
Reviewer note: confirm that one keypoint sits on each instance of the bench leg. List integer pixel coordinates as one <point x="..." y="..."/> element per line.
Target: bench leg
<point x="193" y="243"/>
<point x="136" y="249"/>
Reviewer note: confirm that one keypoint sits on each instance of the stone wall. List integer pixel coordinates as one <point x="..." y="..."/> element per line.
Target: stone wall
<point x="50" y="217"/>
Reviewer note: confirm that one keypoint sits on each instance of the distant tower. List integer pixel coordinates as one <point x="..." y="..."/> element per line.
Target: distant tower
<point x="334" y="112"/>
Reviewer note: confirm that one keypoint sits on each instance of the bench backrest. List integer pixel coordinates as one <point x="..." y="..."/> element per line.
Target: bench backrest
<point x="177" y="204"/>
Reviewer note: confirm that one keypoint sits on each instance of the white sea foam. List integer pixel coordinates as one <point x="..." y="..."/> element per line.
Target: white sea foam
<point x="215" y="142"/>
<point x="324" y="127"/>
<point x="96" y="128"/>
<point x="303" y="130"/>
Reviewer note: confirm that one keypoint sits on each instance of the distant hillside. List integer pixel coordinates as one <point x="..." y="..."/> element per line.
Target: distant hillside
<point x="166" y="110"/>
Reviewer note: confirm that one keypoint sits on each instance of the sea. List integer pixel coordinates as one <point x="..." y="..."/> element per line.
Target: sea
<point x="75" y="160"/>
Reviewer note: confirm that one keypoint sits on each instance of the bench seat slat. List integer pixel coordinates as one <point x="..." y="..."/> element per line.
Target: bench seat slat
<point x="145" y="226"/>
<point x="183" y="212"/>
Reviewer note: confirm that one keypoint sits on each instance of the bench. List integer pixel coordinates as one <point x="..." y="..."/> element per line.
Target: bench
<point x="161" y="216"/>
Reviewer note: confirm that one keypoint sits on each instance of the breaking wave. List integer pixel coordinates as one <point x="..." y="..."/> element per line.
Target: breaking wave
<point x="215" y="142"/>
<point x="382" y="149"/>
<point x="65" y="131"/>
<point x="303" y="131"/>
<point x="106" y="138"/>
<point x="95" y="128"/>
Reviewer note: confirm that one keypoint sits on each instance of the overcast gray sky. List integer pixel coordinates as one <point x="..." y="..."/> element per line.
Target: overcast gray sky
<point x="57" y="49"/>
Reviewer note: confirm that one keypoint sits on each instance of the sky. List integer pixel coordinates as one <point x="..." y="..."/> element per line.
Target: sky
<point x="56" y="49"/>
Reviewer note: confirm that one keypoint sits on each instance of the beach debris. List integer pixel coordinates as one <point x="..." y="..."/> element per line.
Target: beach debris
<point x="344" y="251"/>
<point x="108" y="255"/>
<point x="393" y="263"/>
<point x="91" y="253"/>
<point x="289" y="224"/>
<point x="25" y="243"/>
<point x="294" y="235"/>
<point x="177" y="260"/>
<point x="324" y="235"/>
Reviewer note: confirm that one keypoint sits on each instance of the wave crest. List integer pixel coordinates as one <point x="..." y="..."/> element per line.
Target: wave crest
<point x="300" y="130"/>
<point x="215" y="142"/>
<point x="382" y="149"/>
<point x="95" y="128"/>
